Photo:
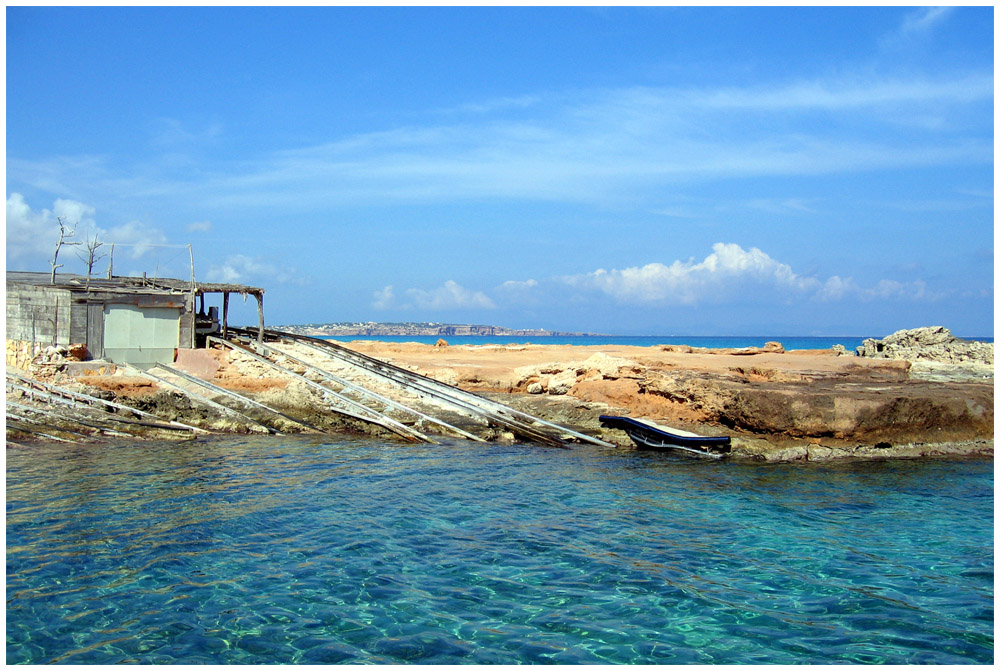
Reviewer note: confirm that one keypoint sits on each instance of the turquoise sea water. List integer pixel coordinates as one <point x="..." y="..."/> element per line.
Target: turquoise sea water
<point x="304" y="550"/>
<point x="789" y="342"/>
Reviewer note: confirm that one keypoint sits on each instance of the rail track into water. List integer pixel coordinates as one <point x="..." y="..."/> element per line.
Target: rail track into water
<point x="372" y="406"/>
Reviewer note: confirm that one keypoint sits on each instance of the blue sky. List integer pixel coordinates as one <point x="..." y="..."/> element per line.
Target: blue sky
<point x="689" y="171"/>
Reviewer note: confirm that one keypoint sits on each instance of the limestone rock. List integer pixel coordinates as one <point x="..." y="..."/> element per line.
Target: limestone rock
<point x="929" y="343"/>
<point x="561" y="383"/>
<point x="611" y="367"/>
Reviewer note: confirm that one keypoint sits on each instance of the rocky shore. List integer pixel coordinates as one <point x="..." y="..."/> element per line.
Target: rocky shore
<point x="912" y="394"/>
<point x="935" y="396"/>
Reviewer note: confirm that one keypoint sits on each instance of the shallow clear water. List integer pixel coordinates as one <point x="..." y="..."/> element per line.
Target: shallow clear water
<point x="268" y="550"/>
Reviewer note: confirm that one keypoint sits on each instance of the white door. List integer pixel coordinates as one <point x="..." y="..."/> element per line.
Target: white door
<point x="140" y="335"/>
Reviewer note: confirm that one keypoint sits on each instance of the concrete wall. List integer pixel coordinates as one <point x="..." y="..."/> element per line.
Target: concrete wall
<point x="39" y="314"/>
<point x="58" y="316"/>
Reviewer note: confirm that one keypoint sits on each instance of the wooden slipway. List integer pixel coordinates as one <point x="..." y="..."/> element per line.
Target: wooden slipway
<point x="415" y="407"/>
<point x="55" y="413"/>
<point x="457" y="401"/>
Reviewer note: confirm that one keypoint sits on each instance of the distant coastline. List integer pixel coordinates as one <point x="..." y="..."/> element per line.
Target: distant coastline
<point x="420" y="329"/>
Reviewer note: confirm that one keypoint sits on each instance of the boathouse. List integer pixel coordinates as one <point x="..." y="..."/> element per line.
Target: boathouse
<point x="134" y="320"/>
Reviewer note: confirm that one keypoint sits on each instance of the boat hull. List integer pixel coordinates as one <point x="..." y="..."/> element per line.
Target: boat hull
<point x="649" y="437"/>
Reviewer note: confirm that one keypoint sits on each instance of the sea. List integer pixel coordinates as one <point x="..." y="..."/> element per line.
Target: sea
<point x="851" y="343"/>
<point x="353" y="550"/>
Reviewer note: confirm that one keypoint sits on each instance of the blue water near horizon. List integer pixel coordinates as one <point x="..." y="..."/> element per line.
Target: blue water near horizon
<point x="851" y="343"/>
<point x="266" y="550"/>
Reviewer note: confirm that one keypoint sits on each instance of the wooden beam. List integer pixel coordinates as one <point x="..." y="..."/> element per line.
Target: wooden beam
<point x="260" y="318"/>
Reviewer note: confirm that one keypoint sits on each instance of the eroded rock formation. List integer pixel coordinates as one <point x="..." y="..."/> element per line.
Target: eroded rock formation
<point x="929" y="343"/>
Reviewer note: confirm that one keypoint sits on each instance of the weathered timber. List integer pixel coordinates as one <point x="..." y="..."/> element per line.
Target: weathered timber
<point x="105" y="416"/>
<point x="20" y="412"/>
<point x="349" y="387"/>
<point x="515" y="421"/>
<point x="361" y="412"/>
<point x="204" y="400"/>
<point x="239" y="398"/>
<point x="57" y="414"/>
<point x="33" y="429"/>
<point x="84" y="399"/>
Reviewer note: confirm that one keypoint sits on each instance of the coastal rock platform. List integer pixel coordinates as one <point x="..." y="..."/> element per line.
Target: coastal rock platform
<point x="777" y="405"/>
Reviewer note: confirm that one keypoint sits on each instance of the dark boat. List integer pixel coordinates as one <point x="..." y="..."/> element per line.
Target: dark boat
<point x="645" y="434"/>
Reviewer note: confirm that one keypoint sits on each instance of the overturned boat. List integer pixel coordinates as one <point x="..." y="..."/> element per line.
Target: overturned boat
<point x="648" y="435"/>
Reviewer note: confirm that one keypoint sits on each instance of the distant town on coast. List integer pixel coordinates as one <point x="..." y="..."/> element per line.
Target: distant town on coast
<point x="418" y="329"/>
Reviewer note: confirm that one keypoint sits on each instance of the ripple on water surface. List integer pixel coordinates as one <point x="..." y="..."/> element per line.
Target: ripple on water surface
<point x="270" y="550"/>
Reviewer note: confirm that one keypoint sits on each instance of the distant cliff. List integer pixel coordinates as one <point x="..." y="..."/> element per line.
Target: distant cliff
<point x="416" y="329"/>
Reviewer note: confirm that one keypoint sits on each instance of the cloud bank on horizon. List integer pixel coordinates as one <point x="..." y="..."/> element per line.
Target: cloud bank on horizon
<point x="651" y="193"/>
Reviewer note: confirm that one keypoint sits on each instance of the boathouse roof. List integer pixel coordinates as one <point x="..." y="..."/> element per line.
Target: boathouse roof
<point x="144" y="285"/>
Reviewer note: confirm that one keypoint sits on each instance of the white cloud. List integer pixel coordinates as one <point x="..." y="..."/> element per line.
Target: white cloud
<point x="924" y="19"/>
<point x="519" y="292"/>
<point x="892" y="289"/>
<point x="384" y="299"/>
<point x="916" y="26"/>
<point x="242" y="269"/>
<point x="449" y="296"/>
<point x="170" y="133"/>
<point x="518" y="285"/>
<point x="200" y="226"/>
<point x="602" y="146"/>
<point x="782" y="205"/>
<point x="731" y="274"/>
<point x="728" y="268"/>
<point x="32" y="236"/>
<point x="836" y="288"/>
<point x="136" y="236"/>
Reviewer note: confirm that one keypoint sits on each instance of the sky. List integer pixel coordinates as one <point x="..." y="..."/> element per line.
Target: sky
<point x="633" y="171"/>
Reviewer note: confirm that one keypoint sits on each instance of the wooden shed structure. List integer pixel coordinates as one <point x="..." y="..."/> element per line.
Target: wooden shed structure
<point x="134" y="320"/>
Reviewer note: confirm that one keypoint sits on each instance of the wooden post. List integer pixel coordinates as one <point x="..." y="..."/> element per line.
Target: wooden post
<point x="225" y="313"/>
<point x="260" y="318"/>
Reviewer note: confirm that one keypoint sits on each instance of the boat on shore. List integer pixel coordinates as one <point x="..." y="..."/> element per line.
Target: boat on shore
<point x="648" y="435"/>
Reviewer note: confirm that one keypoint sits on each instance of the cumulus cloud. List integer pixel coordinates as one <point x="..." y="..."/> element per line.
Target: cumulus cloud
<point x="32" y="235"/>
<point x="242" y="269"/>
<point x="449" y="296"/>
<point x="517" y="288"/>
<point x="728" y="267"/>
<point x="384" y="299"/>
<point x="137" y="236"/>
<point x="731" y="273"/>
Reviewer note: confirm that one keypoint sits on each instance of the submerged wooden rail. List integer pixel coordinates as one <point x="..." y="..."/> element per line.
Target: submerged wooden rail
<point x="110" y="412"/>
<point x="519" y="423"/>
<point x="203" y="400"/>
<point x="234" y="396"/>
<point x="348" y="387"/>
<point x="358" y="411"/>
